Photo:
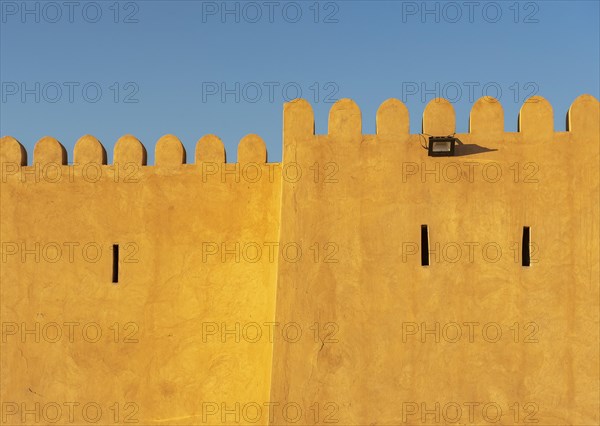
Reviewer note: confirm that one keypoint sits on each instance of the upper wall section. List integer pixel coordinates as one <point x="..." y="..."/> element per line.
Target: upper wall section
<point x="535" y="124"/>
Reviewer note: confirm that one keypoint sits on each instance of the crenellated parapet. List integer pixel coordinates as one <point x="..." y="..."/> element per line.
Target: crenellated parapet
<point x="535" y="121"/>
<point x="169" y="151"/>
<point x="486" y="119"/>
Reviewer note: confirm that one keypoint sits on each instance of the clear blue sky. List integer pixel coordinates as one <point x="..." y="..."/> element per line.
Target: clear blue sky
<point x="172" y="56"/>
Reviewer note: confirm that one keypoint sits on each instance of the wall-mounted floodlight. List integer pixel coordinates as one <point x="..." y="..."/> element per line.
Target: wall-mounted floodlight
<point x="441" y="146"/>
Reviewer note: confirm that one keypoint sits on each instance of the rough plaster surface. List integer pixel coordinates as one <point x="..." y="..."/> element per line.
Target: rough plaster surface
<point x="378" y="343"/>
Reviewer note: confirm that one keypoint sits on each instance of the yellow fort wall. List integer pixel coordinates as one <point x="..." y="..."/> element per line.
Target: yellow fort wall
<point x="160" y="216"/>
<point x="319" y="254"/>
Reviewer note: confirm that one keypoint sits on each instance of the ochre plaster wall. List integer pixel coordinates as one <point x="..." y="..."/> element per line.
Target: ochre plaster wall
<point x="164" y="364"/>
<point x="358" y="293"/>
<point x="374" y="370"/>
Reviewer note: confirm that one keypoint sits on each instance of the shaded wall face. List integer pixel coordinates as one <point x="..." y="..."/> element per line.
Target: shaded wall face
<point x="295" y="292"/>
<point x="474" y="337"/>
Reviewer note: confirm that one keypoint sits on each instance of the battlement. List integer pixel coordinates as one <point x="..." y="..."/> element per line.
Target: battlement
<point x="169" y="151"/>
<point x="486" y="119"/>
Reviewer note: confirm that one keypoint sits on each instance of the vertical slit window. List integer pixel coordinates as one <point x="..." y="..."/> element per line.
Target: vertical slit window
<point x="525" y="247"/>
<point x="115" y="270"/>
<point x="424" y="246"/>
